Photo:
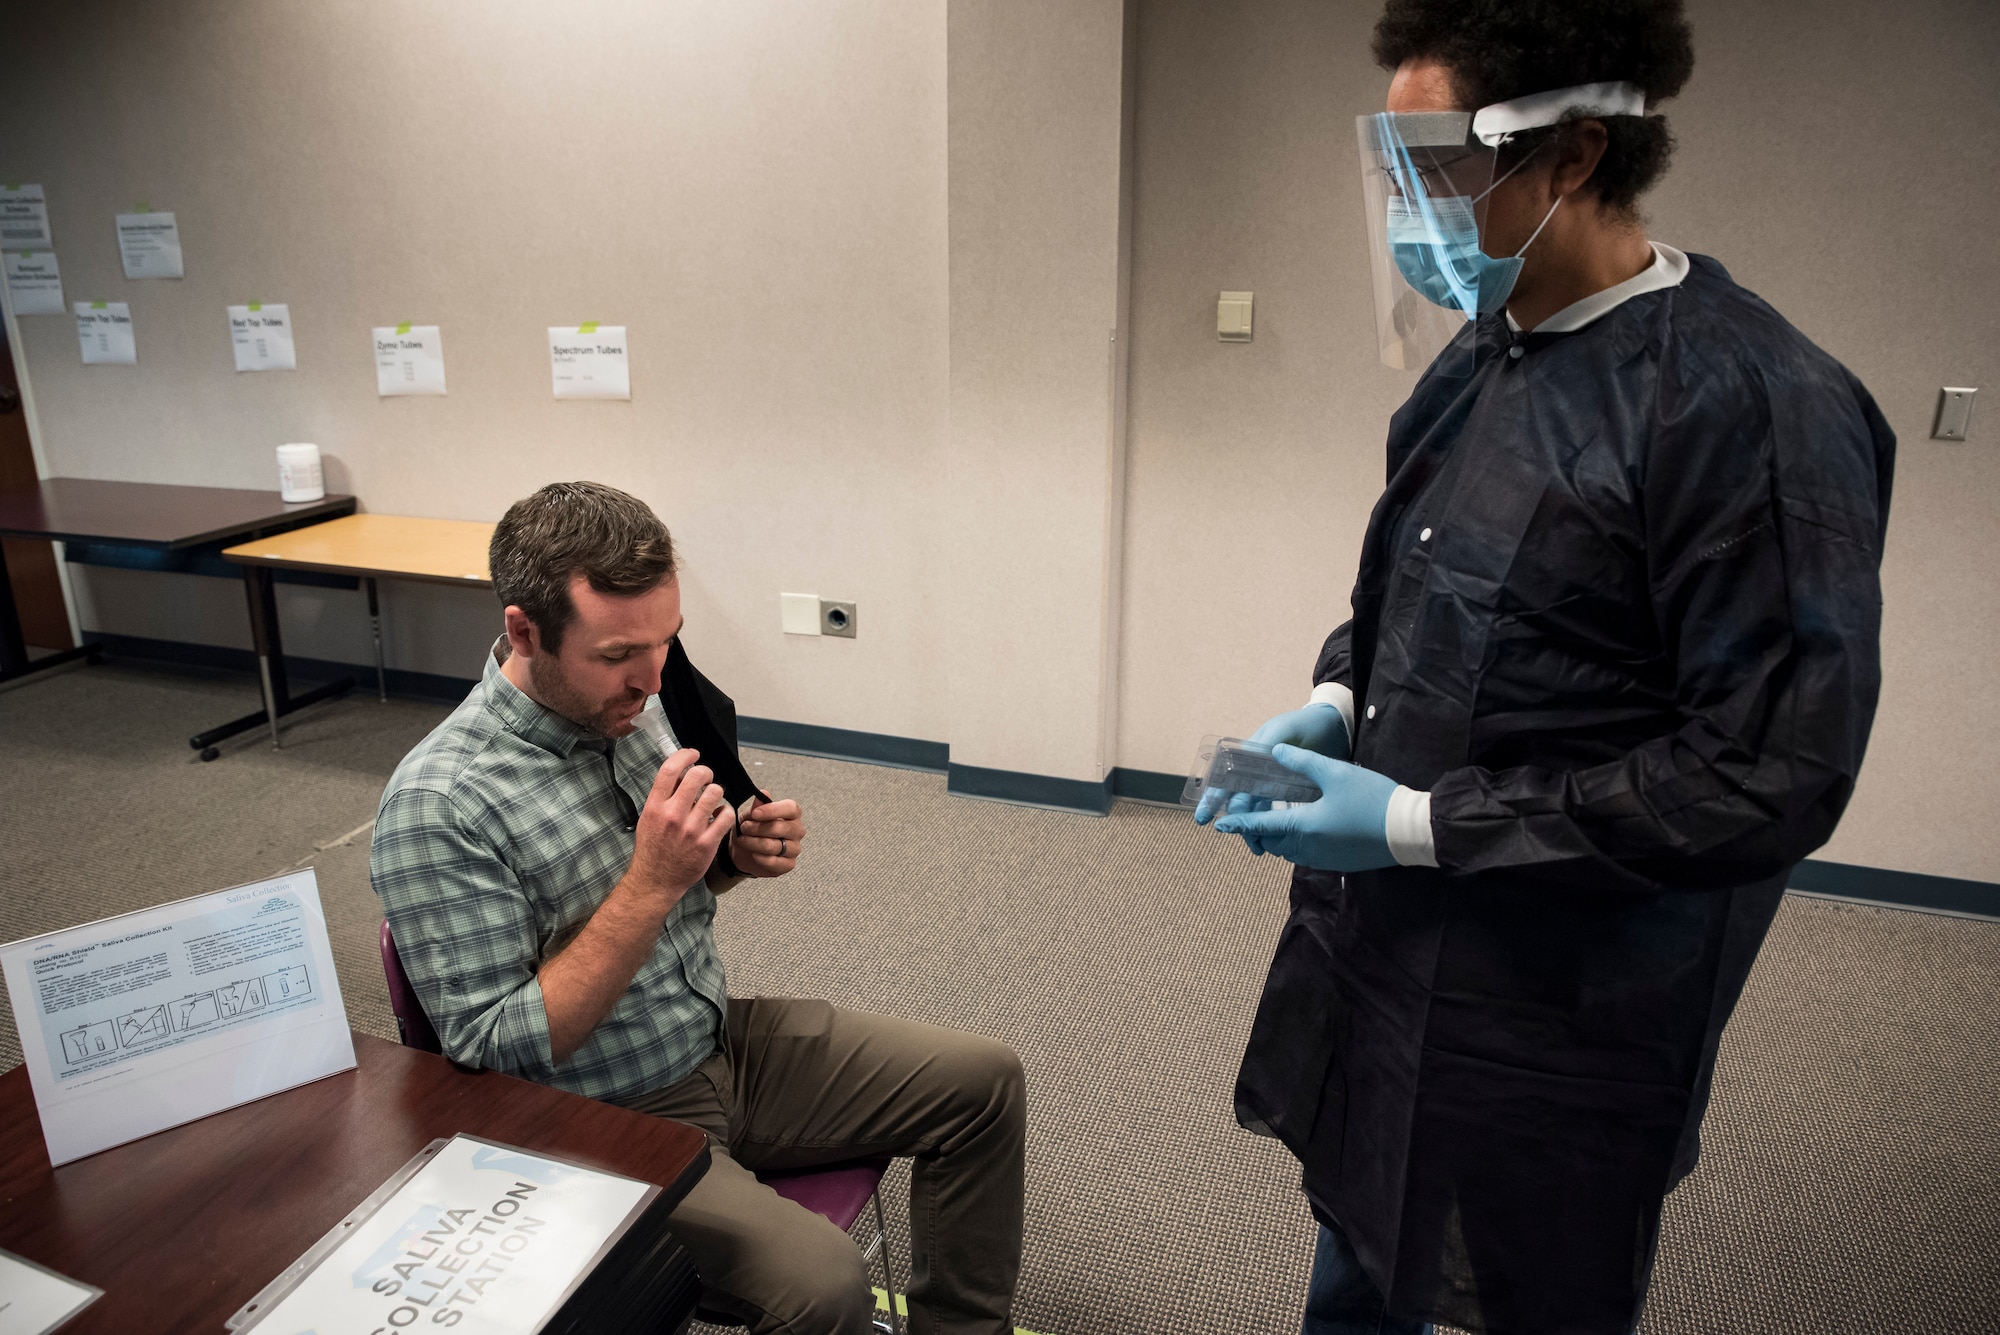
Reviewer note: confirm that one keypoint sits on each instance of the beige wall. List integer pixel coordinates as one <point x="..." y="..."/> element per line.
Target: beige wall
<point x="1842" y="158"/>
<point x="1038" y="120"/>
<point x="757" y="189"/>
<point x="874" y="334"/>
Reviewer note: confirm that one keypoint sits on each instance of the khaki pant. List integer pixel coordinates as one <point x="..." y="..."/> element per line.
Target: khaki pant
<point x="801" y="1083"/>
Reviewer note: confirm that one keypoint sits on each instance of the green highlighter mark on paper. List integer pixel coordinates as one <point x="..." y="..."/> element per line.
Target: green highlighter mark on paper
<point x="403" y="328"/>
<point x="98" y="305"/>
<point x="256" y="306"/>
<point x="590" y="328"/>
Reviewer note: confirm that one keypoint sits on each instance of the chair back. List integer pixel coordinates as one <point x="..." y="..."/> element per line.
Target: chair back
<point x="412" y="1025"/>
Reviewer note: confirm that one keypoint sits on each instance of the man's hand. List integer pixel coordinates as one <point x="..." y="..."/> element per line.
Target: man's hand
<point x="767" y="839"/>
<point x="680" y="827"/>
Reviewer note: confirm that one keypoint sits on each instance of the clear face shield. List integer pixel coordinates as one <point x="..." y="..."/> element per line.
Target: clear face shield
<point x="1425" y="179"/>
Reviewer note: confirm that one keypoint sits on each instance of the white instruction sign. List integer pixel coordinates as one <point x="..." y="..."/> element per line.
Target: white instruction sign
<point x="137" y="1023"/>
<point x="409" y="359"/>
<point x="150" y="244"/>
<point x="24" y="219"/>
<point x="35" y="1299"/>
<point x="34" y="284"/>
<point x="104" y="332"/>
<point x="262" y="334"/>
<point x="483" y="1238"/>
<point x="588" y="361"/>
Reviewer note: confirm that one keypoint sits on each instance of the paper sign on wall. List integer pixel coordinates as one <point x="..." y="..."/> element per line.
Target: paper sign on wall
<point x="137" y="1023"/>
<point x="33" y="283"/>
<point x="150" y="244"/>
<point x="104" y="330"/>
<point x="409" y="359"/>
<point x="24" y="219"/>
<point x="588" y="361"/>
<point x="262" y="333"/>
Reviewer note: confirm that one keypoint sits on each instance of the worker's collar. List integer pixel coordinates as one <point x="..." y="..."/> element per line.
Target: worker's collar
<point x="1668" y="269"/>
<point x="533" y="723"/>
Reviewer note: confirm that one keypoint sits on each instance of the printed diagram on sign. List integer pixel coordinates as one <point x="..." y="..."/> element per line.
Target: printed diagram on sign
<point x="90" y="1040"/>
<point x="287" y="983"/>
<point x="121" y="1004"/>
<point x="143" y="1026"/>
<point x="194" y="1012"/>
<point x="241" y="997"/>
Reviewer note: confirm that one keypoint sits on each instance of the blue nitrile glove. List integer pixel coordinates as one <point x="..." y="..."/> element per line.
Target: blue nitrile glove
<point x="1317" y="727"/>
<point x="1346" y="830"/>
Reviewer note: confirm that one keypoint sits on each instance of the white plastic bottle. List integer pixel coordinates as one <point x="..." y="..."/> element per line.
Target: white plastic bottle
<point x="299" y="476"/>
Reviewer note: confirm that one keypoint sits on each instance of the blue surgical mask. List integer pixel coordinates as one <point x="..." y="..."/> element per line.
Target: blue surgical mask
<point x="1435" y="243"/>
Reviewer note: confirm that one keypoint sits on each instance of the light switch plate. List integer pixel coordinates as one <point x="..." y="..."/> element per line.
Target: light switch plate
<point x="1233" y="315"/>
<point x="1954" y="414"/>
<point x="798" y="613"/>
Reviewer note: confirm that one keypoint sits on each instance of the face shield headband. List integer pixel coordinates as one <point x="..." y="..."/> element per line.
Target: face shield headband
<point x="1424" y="175"/>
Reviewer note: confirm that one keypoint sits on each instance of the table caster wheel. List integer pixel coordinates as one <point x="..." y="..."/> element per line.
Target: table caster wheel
<point x="209" y="752"/>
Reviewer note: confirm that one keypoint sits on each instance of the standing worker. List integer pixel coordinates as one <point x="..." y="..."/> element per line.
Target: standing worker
<point x="1610" y="673"/>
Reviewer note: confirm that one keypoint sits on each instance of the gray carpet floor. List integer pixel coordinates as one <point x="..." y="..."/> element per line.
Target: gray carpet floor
<point x="1852" y="1164"/>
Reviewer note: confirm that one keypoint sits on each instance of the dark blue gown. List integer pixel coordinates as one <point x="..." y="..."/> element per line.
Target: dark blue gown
<point x="1618" y="612"/>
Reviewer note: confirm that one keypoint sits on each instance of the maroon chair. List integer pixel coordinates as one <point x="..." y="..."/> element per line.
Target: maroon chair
<point x="838" y="1193"/>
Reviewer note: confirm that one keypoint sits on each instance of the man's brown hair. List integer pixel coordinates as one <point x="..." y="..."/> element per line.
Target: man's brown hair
<point x="575" y="528"/>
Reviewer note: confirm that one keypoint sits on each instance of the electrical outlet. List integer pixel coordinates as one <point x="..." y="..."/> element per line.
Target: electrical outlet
<point x="836" y="618"/>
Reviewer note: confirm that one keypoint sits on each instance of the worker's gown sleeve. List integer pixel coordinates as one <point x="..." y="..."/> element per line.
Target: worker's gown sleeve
<point x="1618" y="612"/>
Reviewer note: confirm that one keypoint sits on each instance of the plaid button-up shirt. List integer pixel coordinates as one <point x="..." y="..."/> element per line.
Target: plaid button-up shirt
<point x="497" y="838"/>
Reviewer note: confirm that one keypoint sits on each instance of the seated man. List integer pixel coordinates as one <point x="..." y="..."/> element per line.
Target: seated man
<point x="551" y="876"/>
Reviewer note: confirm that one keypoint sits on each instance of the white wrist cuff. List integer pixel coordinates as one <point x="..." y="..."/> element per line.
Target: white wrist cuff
<point x="1333" y="693"/>
<point x="1408" y="827"/>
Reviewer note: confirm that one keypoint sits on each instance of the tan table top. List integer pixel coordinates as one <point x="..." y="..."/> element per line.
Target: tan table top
<point x="441" y="551"/>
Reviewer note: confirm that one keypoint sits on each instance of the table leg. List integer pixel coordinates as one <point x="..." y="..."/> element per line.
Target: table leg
<point x="375" y="621"/>
<point x="278" y="699"/>
<point x="264" y="635"/>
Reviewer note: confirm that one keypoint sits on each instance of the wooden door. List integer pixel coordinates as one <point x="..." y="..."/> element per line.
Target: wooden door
<point x="31" y="562"/>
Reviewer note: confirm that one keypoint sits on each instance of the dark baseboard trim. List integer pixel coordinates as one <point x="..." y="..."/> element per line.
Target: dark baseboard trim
<point x="1899" y="889"/>
<point x="1144" y="785"/>
<point x="400" y="682"/>
<point x="1030" y="790"/>
<point x="871" y="748"/>
<point x="1828" y="880"/>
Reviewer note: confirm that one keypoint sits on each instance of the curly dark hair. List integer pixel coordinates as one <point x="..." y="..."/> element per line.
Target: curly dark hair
<point x="1502" y="49"/>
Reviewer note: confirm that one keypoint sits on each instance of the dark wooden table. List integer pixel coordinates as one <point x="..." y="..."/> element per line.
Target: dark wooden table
<point x="170" y="518"/>
<point x="184" y="1227"/>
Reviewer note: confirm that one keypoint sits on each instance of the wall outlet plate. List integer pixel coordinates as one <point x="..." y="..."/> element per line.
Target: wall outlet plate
<point x="798" y="613"/>
<point x="1233" y="316"/>
<point x="836" y="618"/>
<point x="1954" y="414"/>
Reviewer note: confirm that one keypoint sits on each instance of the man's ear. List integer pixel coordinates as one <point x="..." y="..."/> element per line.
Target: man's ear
<point x="523" y="636"/>
<point x="1578" y="152"/>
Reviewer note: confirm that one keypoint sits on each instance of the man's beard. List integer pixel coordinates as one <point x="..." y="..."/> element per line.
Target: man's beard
<point x="553" y="689"/>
